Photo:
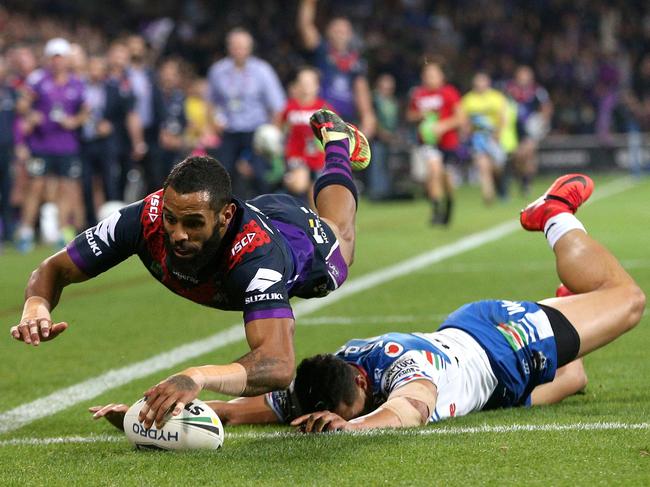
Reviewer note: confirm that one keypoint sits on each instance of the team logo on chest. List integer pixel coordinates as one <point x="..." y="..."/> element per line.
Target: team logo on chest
<point x="251" y="237"/>
<point x="393" y="349"/>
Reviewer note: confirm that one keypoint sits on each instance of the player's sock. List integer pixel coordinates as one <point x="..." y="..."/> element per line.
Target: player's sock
<point x="435" y="211"/>
<point x="337" y="168"/>
<point x="560" y="224"/>
<point x="449" y="206"/>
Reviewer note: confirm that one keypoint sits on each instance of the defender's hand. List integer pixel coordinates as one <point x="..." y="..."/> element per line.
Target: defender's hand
<point x="321" y="421"/>
<point x="114" y="413"/>
<point x="174" y="392"/>
<point x="37" y="329"/>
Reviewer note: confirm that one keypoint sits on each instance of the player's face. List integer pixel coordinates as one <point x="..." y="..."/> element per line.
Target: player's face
<point x="308" y="84"/>
<point x="524" y="76"/>
<point x="432" y="76"/>
<point x="361" y="405"/>
<point x="339" y="34"/>
<point x="193" y="230"/>
<point x="240" y="46"/>
<point x="481" y="82"/>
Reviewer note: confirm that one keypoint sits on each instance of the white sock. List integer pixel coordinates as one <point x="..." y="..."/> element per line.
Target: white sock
<point x="560" y="224"/>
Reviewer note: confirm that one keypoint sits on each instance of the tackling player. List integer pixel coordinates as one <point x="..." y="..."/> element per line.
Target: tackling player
<point x="216" y="250"/>
<point x="487" y="354"/>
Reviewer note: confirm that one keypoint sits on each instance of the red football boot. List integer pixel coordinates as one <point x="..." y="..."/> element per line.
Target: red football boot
<point x="565" y="195"/>
<point x="562" y="291"/>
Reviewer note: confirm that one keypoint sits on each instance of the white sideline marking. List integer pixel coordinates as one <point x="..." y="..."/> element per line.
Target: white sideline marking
<point x="64" y="398"/>
<point x="428" y="431"/>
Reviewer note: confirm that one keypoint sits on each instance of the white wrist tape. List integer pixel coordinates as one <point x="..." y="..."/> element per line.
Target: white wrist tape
<point x="228" y="379"/>
<point x="399" y="402"/>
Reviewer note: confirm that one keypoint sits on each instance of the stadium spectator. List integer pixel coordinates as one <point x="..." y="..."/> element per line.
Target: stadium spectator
<point x="304" y="156"/>
<point x="100" y="145"/>
<point x="148" y="106"/>
<point x="246" y="93"/>
<point x="174" y="121"/>
<point x="343" y="70"/>
<point x="534" y="111"/>
<point x="201" y="131"/>
<point x="54" y="111"/>
<point x="8" y="100"/>
<point x="435" y="106"/>
<point x="486" y="111"/>
<point x="386" y="107"/>
<point x="129" y="136"/>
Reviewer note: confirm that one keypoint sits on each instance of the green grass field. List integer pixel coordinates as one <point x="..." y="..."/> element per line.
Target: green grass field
<point x="124" y="317"/>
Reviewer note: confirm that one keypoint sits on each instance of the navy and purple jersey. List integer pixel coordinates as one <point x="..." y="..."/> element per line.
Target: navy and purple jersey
<point x="485" y="355"/>
<point x="273" y="249"/>
<point x="54" y="102"/>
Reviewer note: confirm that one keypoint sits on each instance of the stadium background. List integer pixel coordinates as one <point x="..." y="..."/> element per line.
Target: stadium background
<point x="600" y="437"/>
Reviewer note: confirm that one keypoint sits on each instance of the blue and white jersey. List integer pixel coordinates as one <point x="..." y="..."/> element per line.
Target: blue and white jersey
<point x="519" y="341"/>
<point x="487" y="354"/>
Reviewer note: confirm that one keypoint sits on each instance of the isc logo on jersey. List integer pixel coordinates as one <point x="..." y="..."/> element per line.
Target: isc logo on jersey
<point x="154" y="207"/>
<point x="243" y="242"/>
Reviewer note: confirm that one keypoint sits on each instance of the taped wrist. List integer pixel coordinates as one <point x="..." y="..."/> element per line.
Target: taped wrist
<point x="35" y="307"/>
<point x="228" y="379"/>
<point x="399" y="403"/>
<point x="407" y="414"/>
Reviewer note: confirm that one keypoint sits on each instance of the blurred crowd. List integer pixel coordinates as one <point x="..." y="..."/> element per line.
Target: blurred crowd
<point x="97" y="105"/>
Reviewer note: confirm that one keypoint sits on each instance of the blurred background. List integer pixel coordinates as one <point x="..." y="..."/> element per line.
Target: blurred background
<point x="99" y="100"/>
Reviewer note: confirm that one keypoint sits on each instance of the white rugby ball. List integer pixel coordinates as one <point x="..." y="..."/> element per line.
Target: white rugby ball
<point x="197" y="427"/>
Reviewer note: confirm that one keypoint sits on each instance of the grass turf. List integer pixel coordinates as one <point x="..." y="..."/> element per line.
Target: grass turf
<point x="124" y="316"/>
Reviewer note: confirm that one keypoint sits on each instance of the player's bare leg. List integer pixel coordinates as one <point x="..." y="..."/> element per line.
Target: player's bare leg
<point x="569" y="380"/>
<point x="486" y="177"/>
<point x="607" y="301"/>
<point x="335" y="194"/>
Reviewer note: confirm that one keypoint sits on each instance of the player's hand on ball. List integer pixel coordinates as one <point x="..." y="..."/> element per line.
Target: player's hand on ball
<point x="320" y="422"/>
<point x="169" y="395"/>
<point x="114" y="413"/>
<point x="37" y="329"/>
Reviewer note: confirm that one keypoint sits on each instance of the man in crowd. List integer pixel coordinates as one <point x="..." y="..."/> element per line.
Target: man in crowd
<point x="246" y="93"/>
<point x="343" y="84"/>
<point x="534" y="111"/>
<point x="53" y="109"/>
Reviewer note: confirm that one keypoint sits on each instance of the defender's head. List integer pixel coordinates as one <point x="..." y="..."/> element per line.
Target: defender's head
<point x="325" y="382"/>
<point x="197" y="208"/>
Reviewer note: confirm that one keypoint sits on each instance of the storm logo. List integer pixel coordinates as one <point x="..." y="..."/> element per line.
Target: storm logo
<point x="393" y="349"/>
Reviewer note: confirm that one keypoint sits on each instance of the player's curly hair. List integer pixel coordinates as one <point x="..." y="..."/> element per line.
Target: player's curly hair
<point x="201" y="173"/>
<point x="323" y="382"/>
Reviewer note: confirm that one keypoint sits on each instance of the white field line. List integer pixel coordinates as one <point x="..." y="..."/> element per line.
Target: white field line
<point x="69" y="396"/>
<point x="428" y="431"/>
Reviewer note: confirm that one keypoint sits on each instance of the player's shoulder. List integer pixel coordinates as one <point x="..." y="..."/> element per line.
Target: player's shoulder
<point x="252" y="243"/>
<point x="451" y="90"/>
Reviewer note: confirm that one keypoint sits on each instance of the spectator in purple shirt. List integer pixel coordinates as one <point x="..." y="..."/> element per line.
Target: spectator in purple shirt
<point x="343" y="84"/>
<point x="54" y="109"/>
<point x="247" y="93"/>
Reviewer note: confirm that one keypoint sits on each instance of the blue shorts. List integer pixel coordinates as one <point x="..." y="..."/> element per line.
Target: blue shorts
<point x="518" y="339"/>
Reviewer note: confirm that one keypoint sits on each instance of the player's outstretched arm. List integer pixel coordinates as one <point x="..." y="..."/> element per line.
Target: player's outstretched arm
<point x="408" y="406"/>
<point x="42" y="295"/>
<point x="243" y="410"/>
<point x="267" y="367"/>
